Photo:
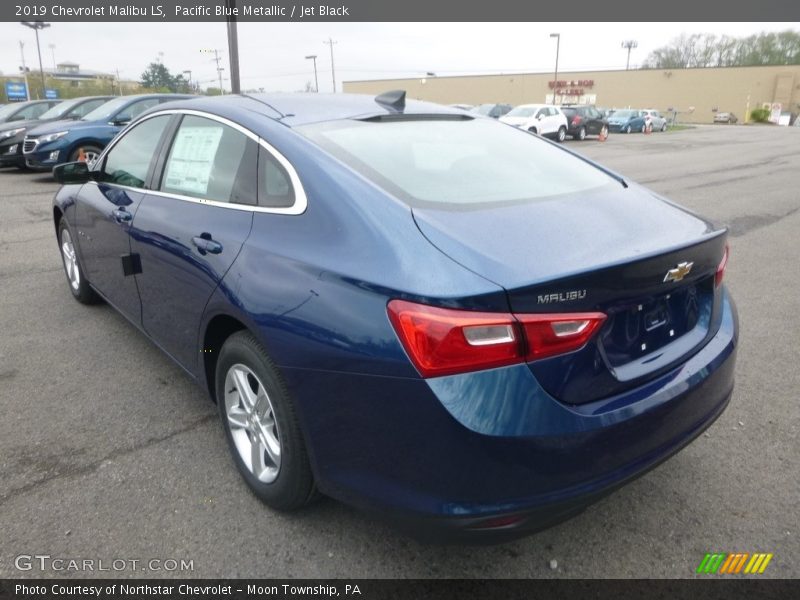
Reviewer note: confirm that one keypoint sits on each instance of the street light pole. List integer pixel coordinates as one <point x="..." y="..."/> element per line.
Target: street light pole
<point x="330" y="43"/>
<point x="24" y="70"/>
<point x="316" y="81"/>
<point x="36" y="26"/>
<point x="558" y="47"/>
<point x="629" y="44"/>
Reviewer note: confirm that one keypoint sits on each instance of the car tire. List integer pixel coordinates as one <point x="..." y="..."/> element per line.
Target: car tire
<point x="90" y="151"/>
<point x="664" y="126"/>
<point x="261" y="425"/>
<point x="628" y="129"/>
<point x="533" y="130"/>
<point x="78" y="284"/>
<point x="644" y="128"/>
<point x="562" y="134"/>
<point x="581" y="134"/>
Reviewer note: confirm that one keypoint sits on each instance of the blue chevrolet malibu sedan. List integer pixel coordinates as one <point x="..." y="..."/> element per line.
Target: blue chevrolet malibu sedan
<point x="64" y="141"/>
<point x="414" y="310"/>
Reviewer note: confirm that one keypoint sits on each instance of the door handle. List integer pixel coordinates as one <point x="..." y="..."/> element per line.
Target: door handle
<point x="206" y="244"/>
<point x="122" y="216"/>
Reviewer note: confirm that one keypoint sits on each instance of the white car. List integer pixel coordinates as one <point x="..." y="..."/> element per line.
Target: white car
<point x="545" y="119"/>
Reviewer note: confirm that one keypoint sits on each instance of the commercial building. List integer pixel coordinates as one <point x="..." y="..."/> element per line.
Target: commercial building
<point x="695" y="94"/>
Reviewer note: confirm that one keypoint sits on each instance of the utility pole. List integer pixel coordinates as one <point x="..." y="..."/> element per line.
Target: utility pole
<point x="36" y="26"/>
<point x="189" y="81"/>
<point x="316" y="81"/>
<point x="330" y="43"/>
<point x="558" y="46"/>
<point x="216" y="59"/>
<point x="24" y="70"/>
<point x="629" y="44"/>
<point x="233" y="48"/>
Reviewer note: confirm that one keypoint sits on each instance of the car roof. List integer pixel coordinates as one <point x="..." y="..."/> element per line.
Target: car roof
<point x="295" y="109"/>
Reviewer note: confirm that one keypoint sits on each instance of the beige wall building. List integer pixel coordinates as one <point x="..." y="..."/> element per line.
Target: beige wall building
<point x="694" y="93"/>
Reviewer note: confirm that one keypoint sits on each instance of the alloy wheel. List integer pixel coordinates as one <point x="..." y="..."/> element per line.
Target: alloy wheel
<point x="251" y="419"/>
<point x="70" y="260"/>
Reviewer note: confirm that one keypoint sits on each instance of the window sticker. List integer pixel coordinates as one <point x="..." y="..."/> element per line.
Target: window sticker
<point x="189" y="167"/>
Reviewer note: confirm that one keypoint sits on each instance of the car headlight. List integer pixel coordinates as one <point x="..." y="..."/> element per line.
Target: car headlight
<point x="52" y="137"/>
<point x="10" y="133"/>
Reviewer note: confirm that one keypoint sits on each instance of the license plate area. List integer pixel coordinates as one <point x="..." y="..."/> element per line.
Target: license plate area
<point x="638" y="328"/>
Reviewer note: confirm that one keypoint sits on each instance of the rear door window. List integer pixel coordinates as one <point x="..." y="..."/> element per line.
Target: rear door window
<point x="212" y="161"/>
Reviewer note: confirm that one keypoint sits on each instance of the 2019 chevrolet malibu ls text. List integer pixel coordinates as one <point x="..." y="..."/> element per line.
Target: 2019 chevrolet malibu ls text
<point x="434" y="316"/>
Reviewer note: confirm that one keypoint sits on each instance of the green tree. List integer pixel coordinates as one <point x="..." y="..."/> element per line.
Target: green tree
<point x="157" y="77"/>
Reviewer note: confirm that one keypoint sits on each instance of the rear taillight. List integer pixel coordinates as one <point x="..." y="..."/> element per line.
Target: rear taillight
<point x="721" y="268"/>
<point x="576" y="120"/>
<point x="549" y="335"/>
<point x="443" y="341"/>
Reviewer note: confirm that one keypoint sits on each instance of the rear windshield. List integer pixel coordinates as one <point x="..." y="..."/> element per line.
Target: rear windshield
<point x="455" y="162"/>
<point x="569" y="111"/>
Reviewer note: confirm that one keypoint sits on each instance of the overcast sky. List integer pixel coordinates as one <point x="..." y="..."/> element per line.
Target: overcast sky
<point x="272" y="54"/>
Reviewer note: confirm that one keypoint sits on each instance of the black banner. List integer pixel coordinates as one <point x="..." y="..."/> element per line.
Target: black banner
<point x="409" y="589"/>
<point x="407" y="10"/>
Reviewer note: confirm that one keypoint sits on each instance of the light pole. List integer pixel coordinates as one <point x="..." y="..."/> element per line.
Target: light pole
<point x="36" y="26"/>
<point x="316" y="81"/>
<point x="629" y="44"/>
<point x="330" y="43"/>
<point x="24" y="70"/>
<point x="555" y="77"/>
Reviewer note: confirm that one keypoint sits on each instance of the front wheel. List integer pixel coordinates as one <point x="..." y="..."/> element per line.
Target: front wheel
<point x="78" y="285"/>
<point x="562" y="134"/>
<point x="261" y="425"/>
<point x="628" y="129"/>
<point x="87" y="153"/>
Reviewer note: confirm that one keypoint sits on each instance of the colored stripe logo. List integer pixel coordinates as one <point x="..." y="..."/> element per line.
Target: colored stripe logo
<point x="722" y="563"/>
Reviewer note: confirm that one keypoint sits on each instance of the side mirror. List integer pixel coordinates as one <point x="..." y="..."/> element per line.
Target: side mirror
<point x="121" y="120"/>
<point x="540" y="116"/>
<point x="74" y="172"/>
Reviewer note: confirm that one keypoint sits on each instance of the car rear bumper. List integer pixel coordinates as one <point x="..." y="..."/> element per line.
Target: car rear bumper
<point x="489" y="455"/>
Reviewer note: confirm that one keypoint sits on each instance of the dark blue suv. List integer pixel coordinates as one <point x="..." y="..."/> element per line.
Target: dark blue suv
<point x="65" y="141"/>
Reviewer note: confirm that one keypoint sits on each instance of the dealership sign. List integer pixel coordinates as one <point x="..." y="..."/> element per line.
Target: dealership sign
<point x="16" y="91"/>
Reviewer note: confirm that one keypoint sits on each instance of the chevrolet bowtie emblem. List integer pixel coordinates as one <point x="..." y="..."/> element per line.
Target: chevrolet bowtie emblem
<point x="679" y="272"/>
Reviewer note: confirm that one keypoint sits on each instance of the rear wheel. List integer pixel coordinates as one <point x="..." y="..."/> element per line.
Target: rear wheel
<point x="562" y="134"/>
<point x="581" y="134"/>
<point x="644" y="128"/>
<point x="628" y="129"/>
<point x="261" y="425"/>
<point x="78" y="285"/>
<point x="664" y="126"/>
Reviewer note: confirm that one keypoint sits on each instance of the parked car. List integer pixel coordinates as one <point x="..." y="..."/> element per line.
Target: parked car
<point x="23" y="111"/>
<point x="583" y="121"/>
<point x="492" y="110"/>
<point x="629" y="120"/>
<point x="64" y="141"/>
<point x="545" y="119"/>
<point x="449" y="321"/>
<point x="12" y="135"/>
<point x="725" y="117"/>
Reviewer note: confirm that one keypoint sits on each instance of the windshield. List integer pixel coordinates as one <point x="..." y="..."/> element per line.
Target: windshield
<point x="626" y="114"/>
<point x="455" y="161"/>
<point x="483" y="109"/>
<point x="8" y="109"/>
<point x="60" y="109"/>
<point x="522" y="111"/>
<point x="105" y="111"/>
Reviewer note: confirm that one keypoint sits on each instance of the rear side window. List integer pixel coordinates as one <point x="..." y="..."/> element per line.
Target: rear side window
<point x="85" y="108"/>
<point x="213" y="161"/>
<point x="128" y="162"/>
<point x="274" y="186"/>
<point x="455" y="161"/>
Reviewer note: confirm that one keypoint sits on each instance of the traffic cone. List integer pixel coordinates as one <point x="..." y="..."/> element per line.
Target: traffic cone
<point x="81" y="155"/>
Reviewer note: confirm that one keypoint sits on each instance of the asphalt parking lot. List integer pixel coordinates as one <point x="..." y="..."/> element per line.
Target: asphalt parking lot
<point x="108" y="451"/>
